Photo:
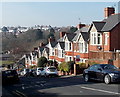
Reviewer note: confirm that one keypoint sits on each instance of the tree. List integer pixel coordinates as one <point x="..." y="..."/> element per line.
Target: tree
<point x="5" y="29"/>
<point x="42" y="62"/>
<point x="50" y="62"/>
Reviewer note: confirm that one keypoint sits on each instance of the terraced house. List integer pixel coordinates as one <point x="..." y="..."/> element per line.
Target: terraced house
<point x="98" y="42"/>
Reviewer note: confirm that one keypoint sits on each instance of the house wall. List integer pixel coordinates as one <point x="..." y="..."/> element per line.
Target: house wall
<point x="115" y="38"/>
<point x="105" y="58"/>
<point x="104" y="46"/>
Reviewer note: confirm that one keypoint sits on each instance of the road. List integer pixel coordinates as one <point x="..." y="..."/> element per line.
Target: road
<point x="66" y="85"/>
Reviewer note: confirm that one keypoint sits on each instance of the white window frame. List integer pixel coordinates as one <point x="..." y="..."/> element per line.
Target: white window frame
<point x="94" y="38"/>
<point x="106" y="39"/>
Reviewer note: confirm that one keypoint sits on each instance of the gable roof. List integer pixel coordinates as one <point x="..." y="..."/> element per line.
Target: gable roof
<point x="62" y="45"/>
<point x="85" y="36"/>
<point x="70" y="36"/>
<point x="111" y="22"/>
<point x="76" y="37"/>
<point x="53" y="43"/>
<point x="98" y="25"/>
<point x="107" y="24"/>
<point x="46" y="49"/>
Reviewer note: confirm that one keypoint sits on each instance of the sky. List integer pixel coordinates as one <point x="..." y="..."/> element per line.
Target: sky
<point x="52" y="13"/>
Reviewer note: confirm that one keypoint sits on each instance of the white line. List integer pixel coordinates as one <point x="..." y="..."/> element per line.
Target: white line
<point x="100" y="90"/>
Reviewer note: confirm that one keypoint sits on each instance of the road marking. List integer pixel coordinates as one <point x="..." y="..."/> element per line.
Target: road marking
<point x="100" y="90"/>
<point x="19" y="93"/>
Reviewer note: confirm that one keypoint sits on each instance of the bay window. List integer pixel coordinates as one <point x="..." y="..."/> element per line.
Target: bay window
<point x="96" y="38"/>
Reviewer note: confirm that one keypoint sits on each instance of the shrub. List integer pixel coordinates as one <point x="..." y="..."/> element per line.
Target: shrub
<point x="42" y="62"/>
<point x="50" y="62"/>
<point x="65" y="66"/>
<point x="82" y="65"/>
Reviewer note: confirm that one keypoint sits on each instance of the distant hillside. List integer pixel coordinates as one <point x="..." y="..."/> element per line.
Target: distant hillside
<point x="25" y="42"/>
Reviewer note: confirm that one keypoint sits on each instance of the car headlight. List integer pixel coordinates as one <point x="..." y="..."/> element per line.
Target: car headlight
<point x="114" y="74"/>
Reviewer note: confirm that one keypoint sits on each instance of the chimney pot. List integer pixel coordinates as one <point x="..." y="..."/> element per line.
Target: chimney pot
<point x="109" y="11"/>
<point x="79" y="26"/>
<point x="62" y="34"/>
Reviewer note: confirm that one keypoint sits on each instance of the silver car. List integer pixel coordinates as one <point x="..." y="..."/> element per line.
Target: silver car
<point x="49" y="71"/>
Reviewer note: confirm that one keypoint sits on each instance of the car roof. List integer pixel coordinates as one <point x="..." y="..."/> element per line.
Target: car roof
<point x="102" y="64"/>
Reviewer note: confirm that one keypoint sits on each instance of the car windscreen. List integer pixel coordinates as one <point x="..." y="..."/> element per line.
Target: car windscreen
<point x="27" y="70"/>
<point x="52" y="69"/>
<point x="107" y="67"/>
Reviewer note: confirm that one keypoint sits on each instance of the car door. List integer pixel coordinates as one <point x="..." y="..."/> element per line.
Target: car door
<point x="92" y="72"/>
<point x="99" y="73"/>
<point x="43" y="71"/>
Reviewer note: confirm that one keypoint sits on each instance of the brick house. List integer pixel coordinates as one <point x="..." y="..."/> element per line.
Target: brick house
<point x="69" y="54"/>
<point x="50" y="46"/>
<point x="80" y="44"/>
<point x="104" y="38"/>
<point x="59" y="52"/>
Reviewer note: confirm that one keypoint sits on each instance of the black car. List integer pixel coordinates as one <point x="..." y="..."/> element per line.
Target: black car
<point x="102" y="72"/>
<point x="9" y="76"/>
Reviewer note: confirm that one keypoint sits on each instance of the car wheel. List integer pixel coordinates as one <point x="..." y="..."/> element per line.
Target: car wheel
<point x="86" y="78"/>
<point x="107" y="79"/>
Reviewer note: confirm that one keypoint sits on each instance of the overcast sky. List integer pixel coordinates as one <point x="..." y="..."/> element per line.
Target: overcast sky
<point x="52" y="13"/>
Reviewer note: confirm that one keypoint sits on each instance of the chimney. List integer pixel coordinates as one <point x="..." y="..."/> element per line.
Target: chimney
<point x="109" y="11"/>
<point x="41" y="44"/>
<point x="79" y="26"/>
<point x="62" y="34"/>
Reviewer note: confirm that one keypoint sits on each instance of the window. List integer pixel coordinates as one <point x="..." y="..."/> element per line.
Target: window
<point x="70" y="46"/>
<point x="81" y="47"/>
<point x="70" y="58"/>
<point x="62" y="53"/>
<point x="106" y="39"/>
<point x="52" y="53"/>
<point x="86" y="48"/>
<point x="99" y="39"/>
<point x="96" y="38"/>
<point x="66" y="45"/>
<point x="59" y="53"/>
<point x="94" y="67"/>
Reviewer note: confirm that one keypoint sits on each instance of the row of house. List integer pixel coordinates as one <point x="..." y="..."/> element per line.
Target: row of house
<point x="96" y="42"/>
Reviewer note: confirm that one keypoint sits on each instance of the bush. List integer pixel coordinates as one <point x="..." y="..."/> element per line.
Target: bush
<point x="82" y="65"/>
<point x="42" y="62"/>
<point x="33" y="67"/>
<point x="50" y="62"/>
<point x="71" y="64"/>
<point x="65" y="66"/>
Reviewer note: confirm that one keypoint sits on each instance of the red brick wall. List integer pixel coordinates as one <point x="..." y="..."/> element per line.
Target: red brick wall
<point x="115" y="38"/>
<point x="105" y="57"/>
<point x="59" y="59"/>
<point x="106" y="47"/>
<point x="51" y="57"/>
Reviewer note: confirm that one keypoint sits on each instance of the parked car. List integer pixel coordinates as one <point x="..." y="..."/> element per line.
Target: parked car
<point x="38" y="71"/>
<point x="49" y="71"/>
<point x="24" y="71"/>
<point x="9" y="76"/>
<point x="102" y="72"/>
